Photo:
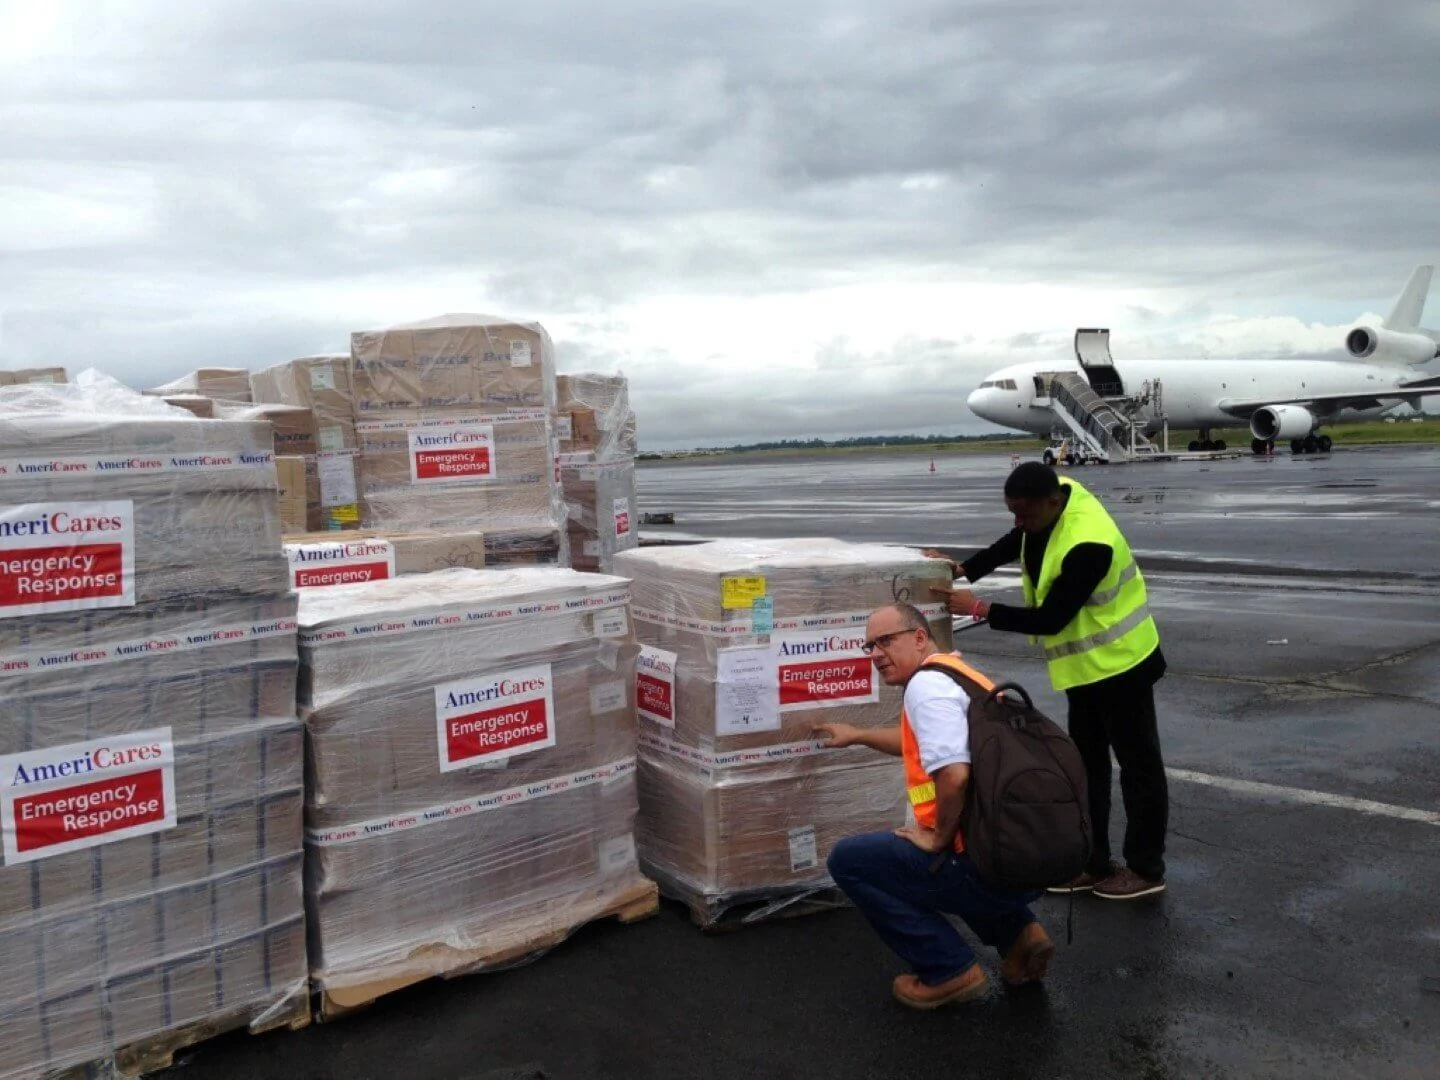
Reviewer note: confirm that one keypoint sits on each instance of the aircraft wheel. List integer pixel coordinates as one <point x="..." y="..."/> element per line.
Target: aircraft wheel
<point x="1325" y="443"/>
<point x="1219" y="444"/>
<point x="1312" y="444"/>
<point x="1258" y="447"/>
<point x="1194" y="445"/>
<point x="1297" y="446"/>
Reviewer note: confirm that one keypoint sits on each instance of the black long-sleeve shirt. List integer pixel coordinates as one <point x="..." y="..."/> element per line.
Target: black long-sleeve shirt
<point x="1084" y="567"/>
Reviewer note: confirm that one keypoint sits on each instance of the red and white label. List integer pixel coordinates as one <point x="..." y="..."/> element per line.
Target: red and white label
<point x="492" y="717"/>
<point x="622" y="517"/>
<point x="78" y="796"/>
<point x="66" y="556"/>
<point x="823" y="668"/>
<point x="442" y="455"/>
<point x="655" y="685"/>
<point x="340" y="563"/>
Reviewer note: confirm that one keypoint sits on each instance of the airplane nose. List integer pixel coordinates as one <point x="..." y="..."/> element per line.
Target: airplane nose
<point x="977" y="403"/>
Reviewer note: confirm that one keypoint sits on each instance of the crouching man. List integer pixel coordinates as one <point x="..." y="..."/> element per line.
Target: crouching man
<point x="904" y="882"/>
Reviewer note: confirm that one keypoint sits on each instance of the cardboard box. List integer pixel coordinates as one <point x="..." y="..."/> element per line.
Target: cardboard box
<point x="293" y="492"/>
<point x="194" y="404"/>
<point x="454" y="360"/>
<point x="224" y="384"/>
<point x="321" y="384"/>
<point x="33" y="376"/>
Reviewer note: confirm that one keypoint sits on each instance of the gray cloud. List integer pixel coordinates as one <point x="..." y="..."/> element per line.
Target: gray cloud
<point x="179" y="179"/>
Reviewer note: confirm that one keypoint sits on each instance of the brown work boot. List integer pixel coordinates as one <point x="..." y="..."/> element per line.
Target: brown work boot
<point x="1085" y="882"/>
<point x="970" y="984"/>
<point x="1029" y="958"/>
<point x="1128" y="885"/>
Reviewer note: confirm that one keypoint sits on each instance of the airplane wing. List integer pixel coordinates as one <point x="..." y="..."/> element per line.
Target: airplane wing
<point x="1323" y="404"/>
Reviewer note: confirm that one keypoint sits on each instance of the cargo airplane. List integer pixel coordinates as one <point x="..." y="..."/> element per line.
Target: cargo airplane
<point x="1277" y="399"/>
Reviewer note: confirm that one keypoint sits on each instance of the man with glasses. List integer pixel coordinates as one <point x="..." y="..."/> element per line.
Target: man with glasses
<point x="906" y="881"/>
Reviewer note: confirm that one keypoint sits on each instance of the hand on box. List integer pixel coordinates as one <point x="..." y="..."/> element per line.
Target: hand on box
<point x="837" y="735"/>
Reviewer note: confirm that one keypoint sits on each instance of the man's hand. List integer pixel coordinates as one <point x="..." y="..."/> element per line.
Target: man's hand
<point x="955" y="568"/>
<point x="927" y="840"/>
<point x="837" y="735"/>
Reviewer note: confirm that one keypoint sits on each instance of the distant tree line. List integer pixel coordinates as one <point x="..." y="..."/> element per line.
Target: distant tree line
<point x="853" y="441"/>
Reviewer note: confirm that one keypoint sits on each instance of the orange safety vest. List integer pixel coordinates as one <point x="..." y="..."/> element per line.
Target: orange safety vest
<point x="918" y="784"/>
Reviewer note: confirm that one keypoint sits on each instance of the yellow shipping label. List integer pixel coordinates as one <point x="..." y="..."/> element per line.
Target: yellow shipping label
<point x="741" y="592"/>
<point x="345" y="514"/>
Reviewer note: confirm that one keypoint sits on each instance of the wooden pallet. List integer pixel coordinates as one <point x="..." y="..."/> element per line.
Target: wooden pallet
<point x="762" y="905"/>
<point x="159" y="1051"/>
<point x="638" y="902"/>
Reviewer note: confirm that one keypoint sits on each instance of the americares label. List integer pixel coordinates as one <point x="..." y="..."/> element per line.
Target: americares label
<point x="491" y="717"/>
<point x="819" y="669"/>
<point x="340" y="563"/>
<point x="66" y="556"/>
<point x="461" y="452"/>
<point x="66" y="798"/>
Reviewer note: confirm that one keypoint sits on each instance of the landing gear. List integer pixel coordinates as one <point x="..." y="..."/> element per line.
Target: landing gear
<point x="1206" y="443"/>
<point x="1262" y="447"/>
<point x="1312" y="444"/>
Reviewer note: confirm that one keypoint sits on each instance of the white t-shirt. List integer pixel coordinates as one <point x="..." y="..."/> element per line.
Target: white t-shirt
<point x="936" y="708"/>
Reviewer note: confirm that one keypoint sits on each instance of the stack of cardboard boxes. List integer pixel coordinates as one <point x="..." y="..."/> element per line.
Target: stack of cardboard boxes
<point x="151" y="760"/>
<point x="37" y="376"/>
<point x="596" y="429"/>
<point x="747" y="644"/>
<point x="472" y="754"/>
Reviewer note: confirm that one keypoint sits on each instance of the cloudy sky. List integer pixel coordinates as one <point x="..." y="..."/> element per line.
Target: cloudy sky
<point x="777" y="218"/>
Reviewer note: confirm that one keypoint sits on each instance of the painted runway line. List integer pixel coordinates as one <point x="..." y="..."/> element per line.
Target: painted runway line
<point x="1307" y="796"/>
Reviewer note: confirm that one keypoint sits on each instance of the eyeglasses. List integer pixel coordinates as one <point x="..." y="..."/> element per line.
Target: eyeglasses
<point x="883" y="641"/>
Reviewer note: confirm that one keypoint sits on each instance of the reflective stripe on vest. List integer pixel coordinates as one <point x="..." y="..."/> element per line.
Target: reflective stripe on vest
<point x="919" y="787"/>
<point x="1113" y="631"/>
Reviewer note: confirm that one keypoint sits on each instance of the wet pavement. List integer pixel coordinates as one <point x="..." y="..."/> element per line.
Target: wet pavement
<point x="1299" y="605"/>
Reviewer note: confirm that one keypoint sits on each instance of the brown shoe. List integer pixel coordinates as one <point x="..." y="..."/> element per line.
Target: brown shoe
<point x="970" y="984"/>
<point x="1128" y="885"/>
<point x="1029" y="958"/>
<point x="1085" y="882"/>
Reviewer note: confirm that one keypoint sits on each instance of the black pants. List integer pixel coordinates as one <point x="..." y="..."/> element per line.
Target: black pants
<point x="1119" y="714"/>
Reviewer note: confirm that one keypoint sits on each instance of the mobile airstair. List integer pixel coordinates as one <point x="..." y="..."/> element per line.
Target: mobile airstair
<point x="1094" y="412"/>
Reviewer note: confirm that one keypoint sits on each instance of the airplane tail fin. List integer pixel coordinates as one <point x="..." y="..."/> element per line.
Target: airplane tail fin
<point x="1411" y="305"/>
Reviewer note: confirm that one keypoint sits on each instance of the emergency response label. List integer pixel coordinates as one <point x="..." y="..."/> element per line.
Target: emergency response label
<point x="819" y="669"/>
<point x="492" y="717"/>
<point x="655" y="685"/>
<point x="66" y="798"/>
<point x="340" y="562"/>
<point x="66" y="556"/>
<point x="622" y="518"/>
<point x="440" y="455"/>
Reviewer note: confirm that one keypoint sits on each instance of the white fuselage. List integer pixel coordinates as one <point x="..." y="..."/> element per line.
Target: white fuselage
<point x="1193" y="391"/>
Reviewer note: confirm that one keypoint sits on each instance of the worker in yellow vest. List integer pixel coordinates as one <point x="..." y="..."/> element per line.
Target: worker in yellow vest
<point x="1085" y="601"/>
<point x="904" y="882"/>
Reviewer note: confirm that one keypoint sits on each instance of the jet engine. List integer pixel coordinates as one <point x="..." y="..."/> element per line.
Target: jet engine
<point x="1366" y="341"/>
<point x="1281" y="422"/>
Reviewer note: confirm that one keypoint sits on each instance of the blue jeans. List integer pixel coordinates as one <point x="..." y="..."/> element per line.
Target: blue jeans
<point x="888" y="878"/>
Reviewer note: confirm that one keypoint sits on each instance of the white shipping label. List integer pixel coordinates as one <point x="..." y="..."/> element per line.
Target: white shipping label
<point x="331" y="438"/>
<point x="617" y="855"/>
<point x="803" y="855"/>
<point x="491" y="717"/>
<point x="520" y="353"/>
<point x="66" y="556"/>
<point x="66" y="798"/>
<point x="612" y="624"/>
<point x="655" y="685"/>
<point x="564" y="427"/>
<point x="622" y="518"/>
<point x="337" y="480"/>
<point x="822" y="668"/>
<point x="462" y="452"/>
<point x="607" y="698"/>
<point x="590" y="549"/>
<point x="322" y="377"/>
<point x="746" y="691"/>
<point x="340" y="562"/>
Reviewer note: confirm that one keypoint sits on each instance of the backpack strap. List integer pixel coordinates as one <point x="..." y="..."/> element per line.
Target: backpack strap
<point x="974" y="690"/>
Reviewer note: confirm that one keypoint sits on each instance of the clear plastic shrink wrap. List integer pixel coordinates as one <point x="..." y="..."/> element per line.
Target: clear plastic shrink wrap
<point x="454" y="424"/>
<point x="746" y="644"/>
<point x="223" y="384"/>
<point x="471" y="741"/>
<point x="596" y="435"/>
<point x="151" y="764"/>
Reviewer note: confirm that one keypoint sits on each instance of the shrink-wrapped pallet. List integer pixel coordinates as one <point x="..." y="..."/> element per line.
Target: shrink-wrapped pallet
<point x="223" y="384"/>
<point x="471" y="798"/>
<point x="747" y="645"/>
<point x="596" y="435"/>
<point x="24" y="376"/>
<point x="151" y="762"/>
<point x="454" y="426"/>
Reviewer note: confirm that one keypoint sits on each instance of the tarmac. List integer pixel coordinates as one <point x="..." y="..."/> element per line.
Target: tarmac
<point x="1297" y="600"/>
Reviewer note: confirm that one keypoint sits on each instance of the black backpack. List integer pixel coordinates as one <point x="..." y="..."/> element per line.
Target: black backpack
<point x="1026" y="821"/>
